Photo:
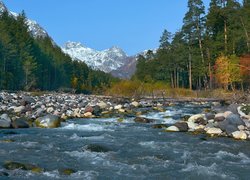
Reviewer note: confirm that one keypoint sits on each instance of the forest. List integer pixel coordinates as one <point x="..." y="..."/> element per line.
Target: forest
<point x="211" y="50"/>
<point x="38" y="64"/>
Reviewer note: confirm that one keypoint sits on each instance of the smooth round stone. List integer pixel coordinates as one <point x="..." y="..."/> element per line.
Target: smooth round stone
<point x="214" y="131"/>
<point x="172" y="129"/>
<point x="241" y="135"/>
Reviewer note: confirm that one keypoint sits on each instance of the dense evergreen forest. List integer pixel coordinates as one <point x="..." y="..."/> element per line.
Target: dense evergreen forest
<point x="28" y="63"/>
<point x="209" y="51"/>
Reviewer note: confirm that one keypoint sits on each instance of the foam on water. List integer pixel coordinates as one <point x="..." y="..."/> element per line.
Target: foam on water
<point x="224" y="154"/>
<point x="86" y="175"/>
<point x="93" y="156"/>
<point x="75" y="137"/>
<point x="211" y="170"/>
<point x="86" y="127"/>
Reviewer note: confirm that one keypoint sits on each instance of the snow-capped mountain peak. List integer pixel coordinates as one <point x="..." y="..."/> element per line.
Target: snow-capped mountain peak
<point x="106" y="60"/>
<point x="2" y="7"/>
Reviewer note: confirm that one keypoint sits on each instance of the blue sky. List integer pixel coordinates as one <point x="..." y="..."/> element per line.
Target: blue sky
<point x="133" y="25"/>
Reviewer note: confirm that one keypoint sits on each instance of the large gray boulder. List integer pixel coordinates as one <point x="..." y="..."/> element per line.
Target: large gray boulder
<point x="20" y="123"/>
<point x="231" y="123"/>
<point x="5" y="121"/>
<point x="182" y="126"/>
<point x="234" y="119"/>
<point x="48" y="121"/>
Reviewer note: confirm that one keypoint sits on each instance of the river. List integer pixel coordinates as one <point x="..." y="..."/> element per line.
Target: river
<point x="131" y="150"/>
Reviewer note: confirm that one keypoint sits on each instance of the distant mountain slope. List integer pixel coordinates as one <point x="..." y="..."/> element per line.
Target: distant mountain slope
<point x="34" y="28"/>
<point x="106" y="60"/>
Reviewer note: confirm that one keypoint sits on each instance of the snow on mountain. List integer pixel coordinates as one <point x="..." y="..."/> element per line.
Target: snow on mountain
<point x="34" y="28"/>
<point x="106" y="60"/>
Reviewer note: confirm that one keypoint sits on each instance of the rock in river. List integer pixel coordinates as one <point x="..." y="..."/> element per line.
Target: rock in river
<point x="96" y="148"/>
<point x="20" y="123"/>
<point x="172" y="129"/>
<point x="214" y="131"/>
<point x="143" y="120"/>
<point x="48" y="121"/>
<point x="182" y="126"/>
<point x="241" y="135"/>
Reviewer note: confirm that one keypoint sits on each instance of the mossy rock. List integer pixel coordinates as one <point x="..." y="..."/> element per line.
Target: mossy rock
<point x="11" y="165"/>
<point x="66" y="171"/>
<point x="49" y="121"/>
<point x="7" y="140"/>
<point x="120" y="120"/>
<point x="37" y="170"/>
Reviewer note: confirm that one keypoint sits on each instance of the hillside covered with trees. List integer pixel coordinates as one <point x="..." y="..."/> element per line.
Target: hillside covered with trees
<point x="28" y="63"/>
<point x="209" y="51"/>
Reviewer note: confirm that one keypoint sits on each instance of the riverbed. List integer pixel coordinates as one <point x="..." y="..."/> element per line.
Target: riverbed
<point x="129" y="150"/>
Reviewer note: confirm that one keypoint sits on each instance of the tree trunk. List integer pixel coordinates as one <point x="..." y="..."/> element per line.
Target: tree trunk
<point x="172" y="80"/>
<point x="246" y="34"/>
<point x="190" y="68"/>
<point x="225" y="36"/>
<point x="177" y="79"/>
<point x="200" y="42"/>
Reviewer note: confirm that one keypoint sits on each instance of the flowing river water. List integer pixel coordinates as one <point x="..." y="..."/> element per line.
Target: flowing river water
<point x="132" y="150"/>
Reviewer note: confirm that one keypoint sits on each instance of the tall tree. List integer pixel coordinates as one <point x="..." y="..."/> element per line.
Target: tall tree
<point x="193" y="29"/>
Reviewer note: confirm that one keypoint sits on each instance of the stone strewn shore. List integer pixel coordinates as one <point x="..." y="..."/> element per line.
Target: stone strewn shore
<point x="231" y="121"/>
<point x="24" y="110"/>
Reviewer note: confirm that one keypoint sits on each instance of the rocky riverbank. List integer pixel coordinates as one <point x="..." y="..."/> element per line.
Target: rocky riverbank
<point x="24" y="110"/>
<point x="228" y="121"/>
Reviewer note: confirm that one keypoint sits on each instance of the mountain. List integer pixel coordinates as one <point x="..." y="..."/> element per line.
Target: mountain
<point x="34" y="28"/>
<point x="107" y="60"/>
<point x="113" y="60"/>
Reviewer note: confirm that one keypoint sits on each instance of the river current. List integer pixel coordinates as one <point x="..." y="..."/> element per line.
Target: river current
<point x="132" y="150"/>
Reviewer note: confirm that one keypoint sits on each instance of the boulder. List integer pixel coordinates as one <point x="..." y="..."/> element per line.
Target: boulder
<point x="135" y="104"/>
<point x="182" y="126"/>
<point x="143" y="120"/>
<point x="235" y="119"/>
<point x="172" y="129"/>
<point x="97" y="110"/>
<point x="5" y="123"/>
<point x="19" y="109"/>
<point x="96" y="148"/>
<point x="191" y="125"/>
<point x="66" y="171"/>
<point x="241" y="127"/>
<point x="214" y="131"/>
<point x="200" y="127"/>
<point x="102" y="105"/>
<point x="10" y="165"/>
<point x="219" y="117"/>
<point x="5" y="117"/>
<point x="87" y="114"/>
<point x="89" y="109"/>
<point x="233" y="108"/>
<point x="201" y="121"/>
<point x="117" y="107"/>
<point x="210" y="116"/>
<point x="48" y="121"/>
<point x="227" y="113"/>
<point x="159" y="126"/>
<point x="20" y="123"/>
<point x="241" y="135"/>
<point x="195" y="117"/>
<point x="50" y="109"/>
